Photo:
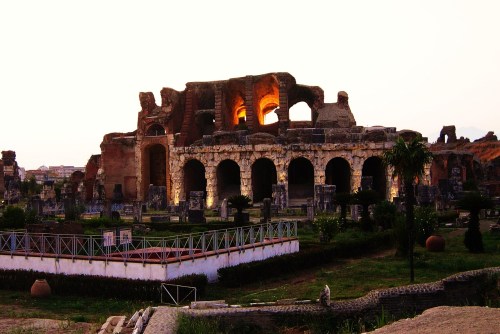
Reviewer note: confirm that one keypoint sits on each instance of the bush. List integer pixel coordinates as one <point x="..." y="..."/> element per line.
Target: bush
<point x="327" y="226"/>
<point x="384" y="214"/>
<point x="97" y="286"/>
<point x="425" y="223"/>
<point x="13" y="217"/>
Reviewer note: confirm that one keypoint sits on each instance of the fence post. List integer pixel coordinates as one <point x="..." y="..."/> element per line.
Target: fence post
<point x="203" y="243"/>
<point x="190" y="242"/>
<point x="216" y="241"/>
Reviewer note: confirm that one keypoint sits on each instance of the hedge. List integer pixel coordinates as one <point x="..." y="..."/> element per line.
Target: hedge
<point x="315" y="256"/>
<point x="96" y="286"/>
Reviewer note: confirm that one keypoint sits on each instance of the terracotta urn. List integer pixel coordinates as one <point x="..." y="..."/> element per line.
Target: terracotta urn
<point x="435" y="243"/>
<point x="40" y="289"/>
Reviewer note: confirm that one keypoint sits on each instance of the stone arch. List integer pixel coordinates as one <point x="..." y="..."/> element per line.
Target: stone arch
<point x="155" y="130"/>
<point x="300" y="180"/>
<point x="153" y="167"/>
<point x="228" y="179"/>
<point x="375" y="168"/>
<point x="263" y="177"/>
<point x="194" y="177"/>
<point x="338" y="173"/>
<point x="300" y="111"/>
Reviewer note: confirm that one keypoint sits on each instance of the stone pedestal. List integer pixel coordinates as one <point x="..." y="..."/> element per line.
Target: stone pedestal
<point x="279" y="195"/>
<point x="157" y="197"/>
<point x="224" y="210"/>
<point x="310" y="209"/>
<point x="196" y="213"/>
<point x="265" y="211"/>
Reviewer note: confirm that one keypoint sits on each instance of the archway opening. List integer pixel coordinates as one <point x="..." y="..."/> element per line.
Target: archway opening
<point x="338" y="173"/>
<point x="263" y="177"/>
<point x="228" y="179"/>
<point x="300" y="112"/>
<point x="300" y="180"/>
<point x="374" y="168"/>
<point x="155" y="130"/>
<point x="194" y="178"/>
<point x="157" y="165"/>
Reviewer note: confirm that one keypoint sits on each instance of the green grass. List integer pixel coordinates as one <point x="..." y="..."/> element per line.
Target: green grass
<point x="354" y="278"/>
<point x="15" y="304"/>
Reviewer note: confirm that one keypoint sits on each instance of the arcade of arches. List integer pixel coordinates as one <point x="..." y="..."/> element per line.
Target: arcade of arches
<point x="251" y="174"/>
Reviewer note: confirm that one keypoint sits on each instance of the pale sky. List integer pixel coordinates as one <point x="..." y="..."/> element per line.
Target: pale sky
<point x="71" y="71"/>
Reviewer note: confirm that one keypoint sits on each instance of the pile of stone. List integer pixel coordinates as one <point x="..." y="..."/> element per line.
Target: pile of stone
<point x="135" y="325"/>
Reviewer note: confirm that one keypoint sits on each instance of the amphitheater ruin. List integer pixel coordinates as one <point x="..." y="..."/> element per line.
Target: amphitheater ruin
<point x="216" y="137"/>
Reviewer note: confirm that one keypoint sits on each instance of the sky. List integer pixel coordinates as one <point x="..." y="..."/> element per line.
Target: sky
<point x="71" y="71"/>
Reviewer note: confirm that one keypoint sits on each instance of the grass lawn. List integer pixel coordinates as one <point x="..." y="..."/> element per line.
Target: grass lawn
<point x="352" y="278"/>
<point x="347" y="278"/>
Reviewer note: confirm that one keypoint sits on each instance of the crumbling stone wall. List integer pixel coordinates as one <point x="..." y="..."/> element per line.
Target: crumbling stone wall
<point x="465" y="288"/>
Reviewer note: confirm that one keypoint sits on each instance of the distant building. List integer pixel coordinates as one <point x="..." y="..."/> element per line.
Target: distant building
<point x="53" y="173"/>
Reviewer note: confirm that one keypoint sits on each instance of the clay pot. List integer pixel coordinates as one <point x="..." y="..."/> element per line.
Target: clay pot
<point x="40" y="289"/>
<point x="435" y="243"/>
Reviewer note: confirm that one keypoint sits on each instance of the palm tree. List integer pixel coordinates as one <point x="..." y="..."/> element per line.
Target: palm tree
<point x="474" y="202"/>
<point x="409" y="161"/>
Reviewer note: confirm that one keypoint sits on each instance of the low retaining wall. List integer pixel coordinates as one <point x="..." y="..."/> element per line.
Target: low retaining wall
<point x="467" y="288"/>
<point x="204" y="263"/>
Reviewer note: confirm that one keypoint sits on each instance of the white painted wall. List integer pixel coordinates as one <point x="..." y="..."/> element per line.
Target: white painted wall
<point x="210" y="265"/>
<point x="148" y="271"/>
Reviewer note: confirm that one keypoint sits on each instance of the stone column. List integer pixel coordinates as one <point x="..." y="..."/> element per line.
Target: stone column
<point x="356" y="180"/>
<point x="283" y="112"/>
<point x="251" y="118"/>
<point x="218" y="108"/>
<point x="212" y="196"/>
<point x="245" y="175"/>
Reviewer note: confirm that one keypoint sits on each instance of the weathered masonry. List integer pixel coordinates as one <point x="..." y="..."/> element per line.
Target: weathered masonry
<point x="238" y="136"/>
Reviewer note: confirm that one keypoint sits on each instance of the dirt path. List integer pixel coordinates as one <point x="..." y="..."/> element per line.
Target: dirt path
<point x="448" y="320"/>
<point x="44" y="326"/>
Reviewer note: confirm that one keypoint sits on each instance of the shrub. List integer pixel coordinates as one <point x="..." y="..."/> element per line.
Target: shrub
<point x="13" y="217"/>
<point x="327" y="226"/>
<point x="385" y="214"/>
<point x="97" y="286"/>
<point x="425" y="223"/>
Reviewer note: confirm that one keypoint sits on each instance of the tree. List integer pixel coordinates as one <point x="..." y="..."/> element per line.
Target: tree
<point x="343" y="200"/>
<point x="408" y="161"/>
<point x="365" y="198"/>
<point x="13" y="217"/>
<point x="474" y="202"/>
<point x="239" y="202"/>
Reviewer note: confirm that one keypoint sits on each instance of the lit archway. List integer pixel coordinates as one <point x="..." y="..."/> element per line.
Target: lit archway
<point x="157" y="165"/>
<point x="338" y="173"/>
<point x="194" y="178"/>
<point x="374" y="168"/>
<point x="228" y="179"/>
<point x="300" y="180"/>
<point x="263" y="178"/>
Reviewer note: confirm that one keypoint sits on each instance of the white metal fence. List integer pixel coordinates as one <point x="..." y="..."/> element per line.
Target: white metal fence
<point x="144" y="249"/>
